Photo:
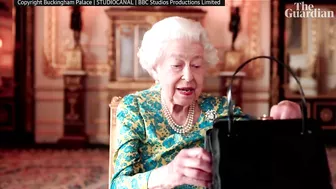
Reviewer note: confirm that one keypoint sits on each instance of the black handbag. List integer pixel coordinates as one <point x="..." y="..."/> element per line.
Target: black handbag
<point x="267" y="154"/>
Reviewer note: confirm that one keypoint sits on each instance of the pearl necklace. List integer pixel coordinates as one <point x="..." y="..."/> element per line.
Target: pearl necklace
<point x="186" y="127"/>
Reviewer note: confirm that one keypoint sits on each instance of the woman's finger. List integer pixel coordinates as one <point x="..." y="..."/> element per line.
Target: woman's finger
<point x="196" y="163"/>
<point x="197" y="153"/>
<point x="286" y="110"/>
<point x="275" y="112"/>
<point x="197" y="174"/>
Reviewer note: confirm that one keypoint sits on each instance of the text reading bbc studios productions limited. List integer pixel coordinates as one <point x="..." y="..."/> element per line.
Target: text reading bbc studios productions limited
<point x="119" y="2"/>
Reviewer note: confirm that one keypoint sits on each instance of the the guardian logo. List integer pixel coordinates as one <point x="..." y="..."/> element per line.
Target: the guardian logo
<point x="302" y="10"/>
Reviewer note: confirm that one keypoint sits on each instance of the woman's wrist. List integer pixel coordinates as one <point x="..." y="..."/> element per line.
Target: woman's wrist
<point x="159" y="178"/>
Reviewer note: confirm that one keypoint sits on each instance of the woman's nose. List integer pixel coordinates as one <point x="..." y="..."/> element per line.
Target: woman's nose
<point x="187" y="74"/>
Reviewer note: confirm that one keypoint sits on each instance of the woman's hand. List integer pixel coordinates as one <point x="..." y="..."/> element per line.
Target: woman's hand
<point x="191" y="166"/>
<point x="286" y="110"/>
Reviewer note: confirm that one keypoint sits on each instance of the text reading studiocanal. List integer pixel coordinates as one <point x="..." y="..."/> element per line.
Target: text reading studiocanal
<point x="159" y="2"/>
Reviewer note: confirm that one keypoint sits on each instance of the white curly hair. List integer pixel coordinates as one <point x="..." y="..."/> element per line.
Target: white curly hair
<point x="172" y="28"/>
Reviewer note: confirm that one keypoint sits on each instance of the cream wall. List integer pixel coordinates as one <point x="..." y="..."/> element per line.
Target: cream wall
<point x="49" y="90"/>
<point x="255" y="91"/>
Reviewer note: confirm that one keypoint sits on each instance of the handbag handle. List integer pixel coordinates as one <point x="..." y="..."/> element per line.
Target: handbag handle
<point x="303" y="100"/>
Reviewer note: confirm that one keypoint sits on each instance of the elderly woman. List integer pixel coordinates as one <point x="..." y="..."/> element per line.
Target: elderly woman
<point x="162" y="129"/>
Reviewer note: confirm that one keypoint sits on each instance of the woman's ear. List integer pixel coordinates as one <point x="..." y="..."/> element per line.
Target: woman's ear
<point x="155" y="74"/>
<point x="156" y="68"/>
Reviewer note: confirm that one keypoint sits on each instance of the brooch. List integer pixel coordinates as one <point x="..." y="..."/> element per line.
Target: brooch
<point x="210" y="115"/>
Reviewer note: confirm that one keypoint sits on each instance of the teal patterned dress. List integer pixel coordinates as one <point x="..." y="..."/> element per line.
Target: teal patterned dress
<point x="146" y="141"/>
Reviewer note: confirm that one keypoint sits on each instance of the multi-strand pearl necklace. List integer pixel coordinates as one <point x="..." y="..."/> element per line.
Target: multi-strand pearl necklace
<point x="186" y="127"/>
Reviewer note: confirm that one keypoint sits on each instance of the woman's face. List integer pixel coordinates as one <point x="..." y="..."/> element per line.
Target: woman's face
<point x="181" y="71"/>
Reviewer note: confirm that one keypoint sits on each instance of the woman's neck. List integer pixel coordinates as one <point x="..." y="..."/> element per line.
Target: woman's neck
<point x="180" y="113"/>
<point x="176" y="109"/>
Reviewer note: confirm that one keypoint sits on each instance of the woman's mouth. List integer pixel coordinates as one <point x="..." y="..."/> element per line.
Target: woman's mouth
<point x="186" y="90"/>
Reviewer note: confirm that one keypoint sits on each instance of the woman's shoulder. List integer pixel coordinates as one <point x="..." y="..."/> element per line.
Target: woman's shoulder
<point x="210" y="102"/>
<point x="220" y="105"/>
<point x="207" y="98"/>
<point x="141" y="98"/>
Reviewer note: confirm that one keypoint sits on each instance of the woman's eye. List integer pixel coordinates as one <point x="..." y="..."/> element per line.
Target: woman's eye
<point x="176" y="66"/>
<point x="196" y="66"/>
